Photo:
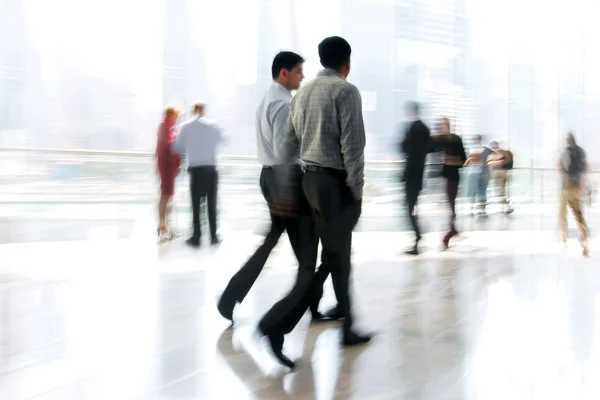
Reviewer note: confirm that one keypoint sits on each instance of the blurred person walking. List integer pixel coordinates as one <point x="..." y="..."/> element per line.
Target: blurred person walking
<point x="501" y="163"/>
<point x="199" y="139"/>
<point x="479" y="175"/>
<point x="168" y="164"/>
<point x="416" y="145"/>
<point x="326" y="128"/>
<point x="454" y="159"/>
<point x="281" y="185"/>
<point x="573" y="167"/>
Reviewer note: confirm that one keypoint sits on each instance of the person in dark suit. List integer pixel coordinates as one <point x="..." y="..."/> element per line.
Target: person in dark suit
<point x="415" y="146"/>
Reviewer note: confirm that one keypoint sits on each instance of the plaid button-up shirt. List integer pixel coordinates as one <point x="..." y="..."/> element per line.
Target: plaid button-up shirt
<point x="326" y="123"/>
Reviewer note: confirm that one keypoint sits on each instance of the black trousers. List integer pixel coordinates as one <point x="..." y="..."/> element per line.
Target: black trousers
<point x="336" y="214"/>
<point x="284" y="315"/>
<point x="412" y="196"/>
<point x="204" y="182"/>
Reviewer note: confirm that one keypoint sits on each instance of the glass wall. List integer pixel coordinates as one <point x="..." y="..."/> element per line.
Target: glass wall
<point x="531" y="85"/>
<point x="95" y="74"/>
<point x="86" y="74"/>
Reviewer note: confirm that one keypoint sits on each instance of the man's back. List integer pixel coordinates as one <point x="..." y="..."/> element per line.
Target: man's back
<point x="574" y="163"/>
<point x="326" y="115"/>
<point x="198" y="139"/>
<point x="416" y="146"/>
<point x="271" y="119"/>
<point x="317" y="120"/>
<point x="484" y="152"/>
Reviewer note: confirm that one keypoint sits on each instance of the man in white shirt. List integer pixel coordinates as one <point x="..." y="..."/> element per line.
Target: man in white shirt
<point x="199" y="138"/>
<point x="280" y="182"/>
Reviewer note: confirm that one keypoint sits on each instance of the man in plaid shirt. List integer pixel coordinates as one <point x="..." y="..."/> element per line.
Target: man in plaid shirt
<point x="326" y="126"/>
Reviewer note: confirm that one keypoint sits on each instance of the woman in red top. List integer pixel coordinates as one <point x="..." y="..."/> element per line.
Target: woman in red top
<point x="168" y="167"/>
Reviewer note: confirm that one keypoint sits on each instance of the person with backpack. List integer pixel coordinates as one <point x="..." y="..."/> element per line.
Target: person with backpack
<point x="573" y="167"/>
<point x="501" y="163"/>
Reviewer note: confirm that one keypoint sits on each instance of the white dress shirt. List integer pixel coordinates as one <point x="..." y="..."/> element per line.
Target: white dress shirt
<point x="271" y="119"/>
<point x="199" y="139"/>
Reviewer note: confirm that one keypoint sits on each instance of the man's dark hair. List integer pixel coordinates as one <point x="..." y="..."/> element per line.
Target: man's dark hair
<point x="285" y="60"/>
<point x="413" y="107"/>
<point x="478" y="138"/>
<point x="334" y="52"/>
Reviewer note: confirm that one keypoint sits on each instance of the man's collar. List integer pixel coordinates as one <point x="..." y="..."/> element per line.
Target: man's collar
<point x="281" y="87"/>
<point x="330" y="72"/>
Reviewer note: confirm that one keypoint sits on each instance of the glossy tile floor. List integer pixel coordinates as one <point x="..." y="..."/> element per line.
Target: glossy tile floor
<point x="501" y="315"/>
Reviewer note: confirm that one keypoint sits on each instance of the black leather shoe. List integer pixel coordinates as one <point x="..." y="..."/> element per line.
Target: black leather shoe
<point x="193" y="242"/>
<point x="334" y="313"/>
<point x="216" y="240"/>
<point x="354" y="339"/>
<point x="226" y="306"/>
<point x="276" y="344"/>
<point x="317" y="316"/>
<point x="412" y="252"/>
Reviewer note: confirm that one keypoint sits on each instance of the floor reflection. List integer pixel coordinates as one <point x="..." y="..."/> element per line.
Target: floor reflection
<point x="501" y="315"/>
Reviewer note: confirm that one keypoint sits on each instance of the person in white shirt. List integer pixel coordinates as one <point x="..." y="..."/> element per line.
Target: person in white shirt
<point x="199" y="139"/>
<point x="281" y="185"/>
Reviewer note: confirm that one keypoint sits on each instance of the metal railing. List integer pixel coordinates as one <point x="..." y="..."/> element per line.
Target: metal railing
<point x="63" y="175"/>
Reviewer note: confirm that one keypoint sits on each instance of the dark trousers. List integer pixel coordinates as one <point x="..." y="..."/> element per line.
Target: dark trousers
<point x="284" y="315"/>
<point x="336" y="214"/>
<point x="204" y="181"/>
<point x="451" y="192"/>
<point x="302" y="235"/>
<point x="412" y="196"/>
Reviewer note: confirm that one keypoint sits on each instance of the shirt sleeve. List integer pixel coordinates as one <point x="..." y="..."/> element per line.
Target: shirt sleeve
<point x="437" y="143"/>
<point x="461" y="149"/>
<point x="280" y="115"/>
<point x="352" y="139"/>
<point x="290" y="145"/>
<point x="178" y="145"/>
<point x="409" y="142"/>
<point x="174" y="157"/>
<point x="221" y="134"/>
